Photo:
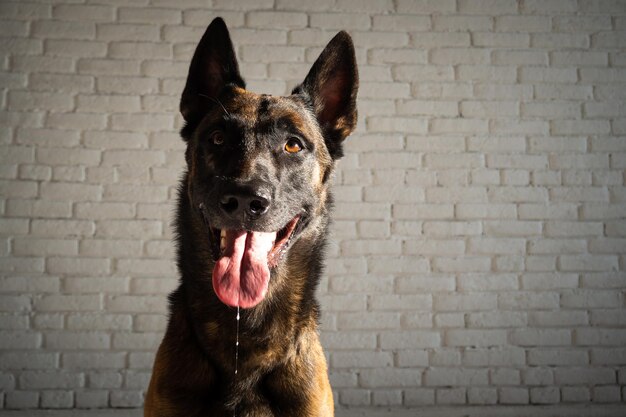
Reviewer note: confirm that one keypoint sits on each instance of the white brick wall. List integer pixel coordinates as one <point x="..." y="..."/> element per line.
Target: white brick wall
<point x="480" y="237"/>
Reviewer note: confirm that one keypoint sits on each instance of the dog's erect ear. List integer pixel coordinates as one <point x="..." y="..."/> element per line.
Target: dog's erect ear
<point x="332" y="85"/>
<point x="213" y="66"/>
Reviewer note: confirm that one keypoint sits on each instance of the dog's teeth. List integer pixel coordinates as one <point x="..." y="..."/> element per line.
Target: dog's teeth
<point x="222" y="240"/>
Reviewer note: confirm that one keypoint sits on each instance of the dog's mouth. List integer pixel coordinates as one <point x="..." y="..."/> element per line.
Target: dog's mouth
<point x="243" y="260"/>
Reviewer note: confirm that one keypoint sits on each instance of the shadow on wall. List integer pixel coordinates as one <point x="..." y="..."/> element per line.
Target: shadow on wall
<point x="478" y="251"/>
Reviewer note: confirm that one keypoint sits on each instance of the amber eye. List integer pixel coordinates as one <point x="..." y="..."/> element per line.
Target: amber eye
<point x="293" y="145"/>
<point x="217" y="138"/>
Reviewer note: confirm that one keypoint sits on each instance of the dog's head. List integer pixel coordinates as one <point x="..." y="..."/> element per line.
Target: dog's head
<point x="259" y="165"/>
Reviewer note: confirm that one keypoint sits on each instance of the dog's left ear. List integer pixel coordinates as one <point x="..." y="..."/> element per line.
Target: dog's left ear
<point x="213" y="66"/>
<point x="332" y="85"/>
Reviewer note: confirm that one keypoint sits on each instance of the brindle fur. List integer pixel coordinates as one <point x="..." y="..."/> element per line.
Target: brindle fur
<point x="282" y="369"/>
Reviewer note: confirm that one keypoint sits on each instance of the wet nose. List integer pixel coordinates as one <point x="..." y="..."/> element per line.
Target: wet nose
<point x="253" y="204"/>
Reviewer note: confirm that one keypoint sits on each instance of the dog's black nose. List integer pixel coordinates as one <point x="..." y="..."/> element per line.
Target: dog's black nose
<point x="254" y="205"/>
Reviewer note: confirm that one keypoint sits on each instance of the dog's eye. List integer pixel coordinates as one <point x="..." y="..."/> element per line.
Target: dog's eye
<point x="293" y="145"/>
<point x="217" y="138"/>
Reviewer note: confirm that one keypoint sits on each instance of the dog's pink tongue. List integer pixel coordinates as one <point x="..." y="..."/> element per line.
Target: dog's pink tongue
<point x="241" y="276"/>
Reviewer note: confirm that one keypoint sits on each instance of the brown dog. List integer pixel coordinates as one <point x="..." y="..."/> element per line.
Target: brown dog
<point x="252" y="220"/>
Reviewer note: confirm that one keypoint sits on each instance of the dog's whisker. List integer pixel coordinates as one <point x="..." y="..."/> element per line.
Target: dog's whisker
<point x="215" y="100"/>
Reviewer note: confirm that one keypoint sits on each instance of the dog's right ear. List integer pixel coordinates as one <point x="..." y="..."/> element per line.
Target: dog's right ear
<point x="213" y="66"/>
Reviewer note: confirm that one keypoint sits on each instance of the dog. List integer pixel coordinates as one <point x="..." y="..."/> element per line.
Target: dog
<point x="251" y="225"/>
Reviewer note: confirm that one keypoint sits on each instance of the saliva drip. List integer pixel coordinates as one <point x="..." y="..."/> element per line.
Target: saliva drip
<point x="237" y="344"/>
<point x="236" y="354"/>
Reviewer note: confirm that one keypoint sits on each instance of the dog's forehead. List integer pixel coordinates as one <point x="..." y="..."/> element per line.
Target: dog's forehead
<point x="256" y="111"/>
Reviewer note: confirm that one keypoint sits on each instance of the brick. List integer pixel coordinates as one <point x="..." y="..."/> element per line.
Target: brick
<point x="82" y="340"/>
<point x="39" y="209"/>
<point x="459" y="160"/>
<point x="26" y="11"/>
<point x="579" y="58"/>
<point x="500" y="74"/>
<point x="150" y="323"/>
<point x="482" y="396"/>
<point x="423" y="73"/>
<point x="126" y="85"/>
<point x="138" y="50"/>
<point x="419" y="397"/>
<point x="50" y="29"/>
<point x="390" y="377"/>
<point x="19" y="100"/>
<point x="462" y="23"/>
<point x="559" y="40"/>
<point x="397" y="124"/>
<point x="522" y="23"/>
<point x="122" y="32"/>
<point x="94" y="285"/>
<point x="566" y="376"/>
<point x="511" y="40"/>
<point x="458" y="126"/>
<point x="62" y="228"/>
<point x="409" y="340"/>
<point x="104" y="379"/>
<point x="539" y="337"/>
<point x="51" y="380"/>
<point x="385" y="90"/>
<point x="355" y="397"/>
<point x="544" y="395"/>
<point x="556" y="357"/>
<point x="22" y="399"/>
<point x="78" y="266"/>
<point x="142" y="122"/>
<point x="14" y="28"/>
<point x="99" y="322"/>
<point x="137" y="341"/>
<point x="45" y="247"/>
<point x="28" y="360"/>
<point x="455" y="377"/>
<point x="126" y="399"/>
<point x="497" y="320"/>
<point x="520" y="57"/>
<point x="613" y="39"/>
<point x="100" y="360"/>
<point x="136" y="304"/>
<point x="70" y="190"/>
<point x="453" y="56"/>
<point x="15" y="303"/>
<point x="142" y="267"/>
<point x="558" y="319"/>
<point x="83" y="12"/>
<point x="51" y="303"/>
<point x="402" y="56"/>
<point x="494" y="7"/>
<point x="271" y="19"/>
<point x="91" y="399"/>
<point x="426" y="6"/>
<point x="61" y="82"/>
<point x="152" y="15"/>
<point x="339" y="21"/>
<point x="548" y="75"/>
<point x="71" y="121"/>
<point x="549" y="6"/>
<point x="361" y="359"/>
<point x="527" y="300"/>
<point x="75" y="48"/>
<point x="549" y="281"/>
<point x="409" y="23"/>
<point x="490" y="282"/>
